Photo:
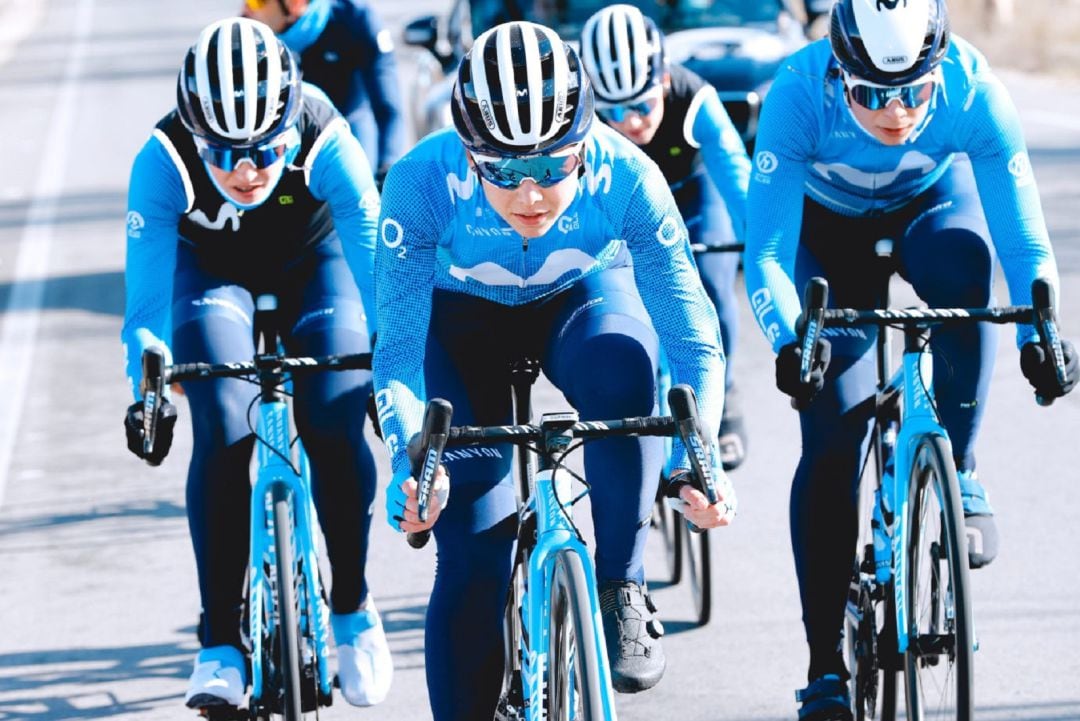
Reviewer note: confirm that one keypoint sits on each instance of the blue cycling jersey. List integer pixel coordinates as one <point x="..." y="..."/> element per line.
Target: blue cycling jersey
<point x="438" y="230"/>
<point x="172" y="199"/>
<point x="809" y="144"/>
<point x="345" y="50"/>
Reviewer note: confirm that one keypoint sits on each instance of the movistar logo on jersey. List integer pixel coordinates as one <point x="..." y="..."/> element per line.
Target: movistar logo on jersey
<point x="135" y="224"/>
<point x="227" y="214"/>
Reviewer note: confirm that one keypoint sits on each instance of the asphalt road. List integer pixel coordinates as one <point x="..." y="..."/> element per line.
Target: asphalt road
<point x="97" y="588"/>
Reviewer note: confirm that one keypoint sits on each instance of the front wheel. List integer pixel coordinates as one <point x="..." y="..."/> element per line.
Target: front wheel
<point x="286" y="643"/>
<point x="938" y="661"/>
<point x="699" y="562"/>
<point x="574" y="689"/>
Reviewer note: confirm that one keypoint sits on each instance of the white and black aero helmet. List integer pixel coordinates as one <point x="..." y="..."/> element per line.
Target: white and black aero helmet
<point x="521" y="90"/>
<point x="623" y="52"/>
<point x="889" y="42"/>
<point x="239" y="84"/>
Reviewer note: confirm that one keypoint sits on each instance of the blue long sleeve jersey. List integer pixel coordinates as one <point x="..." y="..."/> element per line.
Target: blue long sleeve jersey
<point x="437" y="230"/>
<point x="345" y="51"/>
<point x="697" y="138"/>
<point x="809" y="144"/>
<point x="170" y="190"/>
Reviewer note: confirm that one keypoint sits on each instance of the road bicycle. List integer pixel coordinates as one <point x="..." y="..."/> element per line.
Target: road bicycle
<point x="556" y="666"/>
<point x="687" y="550"/>
<point x="287" y="613"/>
<point x="909" y="607"/>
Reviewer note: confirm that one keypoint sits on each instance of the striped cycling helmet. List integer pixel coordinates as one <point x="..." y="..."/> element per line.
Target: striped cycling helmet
<point x="623" y="52"/>
<point x="239" y="84"/>
<point x="889" y="42"/>
<point x="520" y="90"/>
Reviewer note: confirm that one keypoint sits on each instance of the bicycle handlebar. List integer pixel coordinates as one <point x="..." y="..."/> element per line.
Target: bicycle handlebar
<point x="425" y="464"/>
<point x="437" y="433"/>
<point x="157" y="375"/>
<point x="1040" y="313"/>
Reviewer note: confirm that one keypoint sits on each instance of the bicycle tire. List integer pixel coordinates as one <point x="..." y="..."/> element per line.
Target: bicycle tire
<point x="574" y="690"/>
<point x="938" y="663"/>
<point x="288" y="641"/>
<point x="667" y="525"/>
<point x="696" y="550"/>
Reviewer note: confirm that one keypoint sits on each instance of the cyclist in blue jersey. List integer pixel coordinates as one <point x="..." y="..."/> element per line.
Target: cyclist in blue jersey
<point x="887" y="129"/>
<point x="527" y="229"/>
<point x="344" y="50"/>
<point x="253" y="184"/>
<point x="678" y="120"/>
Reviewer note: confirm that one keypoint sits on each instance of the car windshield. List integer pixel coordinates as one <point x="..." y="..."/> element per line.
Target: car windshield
<point x="567" y="17"/>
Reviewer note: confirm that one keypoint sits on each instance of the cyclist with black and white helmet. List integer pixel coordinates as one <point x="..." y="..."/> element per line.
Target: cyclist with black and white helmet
<point x="253" y="184"/>
<point x="528" y="229"/>
<point x="677" y="118"/>
<point x="891" y="128"/>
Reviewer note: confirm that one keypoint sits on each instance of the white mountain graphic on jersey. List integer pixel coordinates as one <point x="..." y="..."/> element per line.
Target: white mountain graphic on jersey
<point x="912" y="160"/>
<point x="555" y="266"/>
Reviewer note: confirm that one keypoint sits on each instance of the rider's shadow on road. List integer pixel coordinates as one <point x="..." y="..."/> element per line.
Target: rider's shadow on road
<point x="92" y="683"/>
<point x="101" y="292"/>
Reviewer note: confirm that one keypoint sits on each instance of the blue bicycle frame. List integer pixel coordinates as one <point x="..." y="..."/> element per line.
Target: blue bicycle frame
<point x="549" y="503"/>
<point x="278" y="473"/>
<point x="919" y="418"/>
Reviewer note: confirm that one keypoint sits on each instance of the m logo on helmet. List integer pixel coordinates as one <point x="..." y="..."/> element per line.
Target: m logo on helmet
<point x="890" y="4"/>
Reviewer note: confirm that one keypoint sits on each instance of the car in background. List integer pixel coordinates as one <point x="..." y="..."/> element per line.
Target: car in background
<point x="737" y="45"/>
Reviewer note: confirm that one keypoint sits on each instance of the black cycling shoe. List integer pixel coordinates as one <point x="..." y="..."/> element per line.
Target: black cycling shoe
<point x="632" y="635"/>
<point x="825" y="699"/>
<point x="731" y="440"/>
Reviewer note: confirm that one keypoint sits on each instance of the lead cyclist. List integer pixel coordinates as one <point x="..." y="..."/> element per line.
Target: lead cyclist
<point x="528" y="229"/>
<point x="890" y="128"/>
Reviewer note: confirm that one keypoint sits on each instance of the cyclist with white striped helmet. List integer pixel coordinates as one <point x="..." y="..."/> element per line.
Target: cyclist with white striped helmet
<point x="254" y="184"/>
<point x="528" y="229"/>
<point x="677" y="118"/>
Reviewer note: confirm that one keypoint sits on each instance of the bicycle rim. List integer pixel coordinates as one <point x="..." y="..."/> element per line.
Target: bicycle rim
<point x="287" y="646"/>
<point x="574" y="691"/>
<point x="696" y="549"/>
<point x="938" y="661"/>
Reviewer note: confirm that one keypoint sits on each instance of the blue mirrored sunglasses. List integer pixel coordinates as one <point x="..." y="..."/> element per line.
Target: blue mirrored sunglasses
<point x="876" y="97"/>
<point x="510" y="172"/>
<point x="227" y="157"/>
<point x="618" y="113"/>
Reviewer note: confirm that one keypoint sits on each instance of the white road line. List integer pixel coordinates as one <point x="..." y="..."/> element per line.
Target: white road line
<point x="18" y="334"/>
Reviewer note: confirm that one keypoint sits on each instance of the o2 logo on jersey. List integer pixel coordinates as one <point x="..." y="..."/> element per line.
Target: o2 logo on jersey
<point x="135" y="224"/>
<point x="569" y="223"/>
<point x="1020" y="168"/>
<point x="669" y="233"/>
<point x="393" y="235"/>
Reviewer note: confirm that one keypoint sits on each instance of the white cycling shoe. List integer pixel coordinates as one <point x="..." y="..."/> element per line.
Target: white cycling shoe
<point x="365" y="668"/>
<point x="219" y="678"/>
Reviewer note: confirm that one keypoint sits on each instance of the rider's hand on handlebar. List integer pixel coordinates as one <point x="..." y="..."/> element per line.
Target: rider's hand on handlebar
<point x="789" y="371"/>
<point x="693" y="504"/>
<point x="133" y="428"/>
<point x="1039" y="369"/>
<point x="402" y="508"/>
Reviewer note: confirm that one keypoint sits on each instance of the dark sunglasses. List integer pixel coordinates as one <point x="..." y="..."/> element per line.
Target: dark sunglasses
<point x="227" y="157"/>
<point x="510" y="172"/>
<point x="876" y="97"/>
<point x="618" y="113"/>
